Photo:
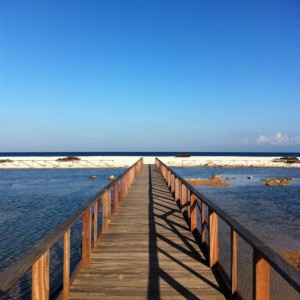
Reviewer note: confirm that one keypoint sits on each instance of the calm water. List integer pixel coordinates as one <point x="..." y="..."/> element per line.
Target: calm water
<point x="271" y="213"/>
<point x="34" y="202"/>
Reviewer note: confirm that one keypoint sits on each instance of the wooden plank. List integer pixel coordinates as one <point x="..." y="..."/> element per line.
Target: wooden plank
<point x="234" y="238"/>
<point x="261" y="277"/>
<point x="40" y="278"/>
<point x="183" y="199"/>
<point x="95" y="224"/>
<point x="86" y="239"/>
<point x="105" y="213"/>
<point x="193" y="214"/>
<point x="66" y="265"/>
<point x="149" y="251"/>
<point x="213" y="239"/>
<point x="116" y="197"/>
<point x="203" y="222"/>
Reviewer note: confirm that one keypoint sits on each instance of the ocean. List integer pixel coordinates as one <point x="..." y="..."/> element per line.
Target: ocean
<point x="34" y="201"/>
<point x="270" y="213"/>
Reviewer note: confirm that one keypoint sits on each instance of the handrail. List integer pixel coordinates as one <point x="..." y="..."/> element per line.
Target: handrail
<point x="263" y="256"/>
<point x="38" y="256"/>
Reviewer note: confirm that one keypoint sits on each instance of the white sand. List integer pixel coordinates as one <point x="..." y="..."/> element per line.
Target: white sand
<point x="126" y="161"/>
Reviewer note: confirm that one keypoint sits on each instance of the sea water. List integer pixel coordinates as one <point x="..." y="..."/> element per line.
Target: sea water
<point x="33" y="203"/>
<point x="270" y="213"/>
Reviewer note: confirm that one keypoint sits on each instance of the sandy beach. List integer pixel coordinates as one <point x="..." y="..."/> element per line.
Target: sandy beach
<point x="126" y="161"/>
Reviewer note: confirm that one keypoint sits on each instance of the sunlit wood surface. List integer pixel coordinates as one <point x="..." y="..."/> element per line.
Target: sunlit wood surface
<point x="148" y="252"/>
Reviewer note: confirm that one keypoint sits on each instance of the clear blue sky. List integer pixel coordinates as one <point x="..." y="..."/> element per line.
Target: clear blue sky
<point x="149" y="75"/>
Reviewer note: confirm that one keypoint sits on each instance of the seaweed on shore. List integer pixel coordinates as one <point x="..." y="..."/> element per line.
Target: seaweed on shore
<point x="293" y="257"/>
<point x="288" y="160"/>
<point x="69" y="158"/>
<point x="5" y="161"/>
<point x="184" y="154"/>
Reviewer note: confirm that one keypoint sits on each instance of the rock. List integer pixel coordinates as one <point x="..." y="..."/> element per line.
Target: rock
<point x="215" y="177"/>
<point x="111" y="177"/>
<point x="199" y="181"/>
<point x="293" y="257"/>
<point x="69" y="158"/>
<point x="183" y="155"/>
<point x="288" y="160"/>
<point x="5" y="161"/>
<point x="277" y="181"/>
<point x="250" y="177"/>
<point x="93" y="177"/>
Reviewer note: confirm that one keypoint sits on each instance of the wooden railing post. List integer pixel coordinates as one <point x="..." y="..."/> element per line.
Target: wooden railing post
<point x="172" y="184"/>
<point x="203" y="221"/>
<point x="121" y="190"/>
<point x="116" y="197"/>
<point x="261" y="277"/>
<point x="183" y="198"/>
<point x="188" y="204"/>
<point x="193" y="210"/>
<point x="176" y="189"/>
<point x="234" y="238"/>
<point x="66" y="272"/>
<point x="109" y="203"/>
<point x="95" y="224"/>
<point x="40" y="278"/>
<point x="213" y="239"/>
<point x="105" y="212"/>
<point x="86" y="239"/>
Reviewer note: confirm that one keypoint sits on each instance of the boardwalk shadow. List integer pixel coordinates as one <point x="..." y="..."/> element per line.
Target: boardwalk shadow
<point x="164" y="246"/>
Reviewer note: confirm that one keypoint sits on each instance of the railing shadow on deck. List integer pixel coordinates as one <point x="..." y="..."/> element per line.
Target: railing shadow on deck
<point x="191" y="202"/>
<point x="37" y="259"/>
<point x="156" y="272"/>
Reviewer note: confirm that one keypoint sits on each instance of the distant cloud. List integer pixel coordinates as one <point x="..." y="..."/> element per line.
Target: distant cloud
<point x="277" y="139"/>
<point x="245" y="141"/>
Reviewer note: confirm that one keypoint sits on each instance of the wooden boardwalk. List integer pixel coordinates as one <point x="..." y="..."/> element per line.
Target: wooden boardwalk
<point x="148" y="253"/>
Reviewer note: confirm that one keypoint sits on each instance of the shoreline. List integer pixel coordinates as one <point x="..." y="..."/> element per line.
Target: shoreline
<point x="51" y="162"/>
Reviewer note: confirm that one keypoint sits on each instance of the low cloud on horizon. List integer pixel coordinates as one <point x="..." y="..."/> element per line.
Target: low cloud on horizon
<point x="273" y="139"/>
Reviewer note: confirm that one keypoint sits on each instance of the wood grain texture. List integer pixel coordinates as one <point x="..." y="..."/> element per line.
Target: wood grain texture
<point x="234" y="239"/>
<point x="116" y="197"/>
<point x="193" y="214"/>
<point x="66" y="271"/>
<point x="40" y="278"/>
<point x="149" y="252"/>
<point x="213" y="239"/>
<point x="95" y="224"/>
<point x="261" y="278"/>
<point x="86" y="239"/>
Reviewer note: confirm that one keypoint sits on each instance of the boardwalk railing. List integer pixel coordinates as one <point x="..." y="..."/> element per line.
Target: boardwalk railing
<point x="193" y="204"/>
<point x="38" y="257"/>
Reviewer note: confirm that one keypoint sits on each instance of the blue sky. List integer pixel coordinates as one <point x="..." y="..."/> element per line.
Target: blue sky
<point x="149" y="75"/>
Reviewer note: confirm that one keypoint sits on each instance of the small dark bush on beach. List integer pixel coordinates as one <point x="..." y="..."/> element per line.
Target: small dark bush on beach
<point x="69" y="158"/>
<point x="288" y="160"/>
<point x="183" y="155"/>
<point x="5" y="161"/>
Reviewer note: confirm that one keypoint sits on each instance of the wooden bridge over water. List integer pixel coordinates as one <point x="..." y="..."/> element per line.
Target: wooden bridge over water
<point x="148" y="252"/>
<point x="158" y="239"/>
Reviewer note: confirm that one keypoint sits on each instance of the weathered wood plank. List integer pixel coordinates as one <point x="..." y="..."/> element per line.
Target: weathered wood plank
<point x="149" y="251"/>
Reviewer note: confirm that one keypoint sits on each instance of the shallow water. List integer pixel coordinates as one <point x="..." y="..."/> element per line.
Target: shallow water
<point x="34" y="202"/>
<point x="271" y="213"/>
